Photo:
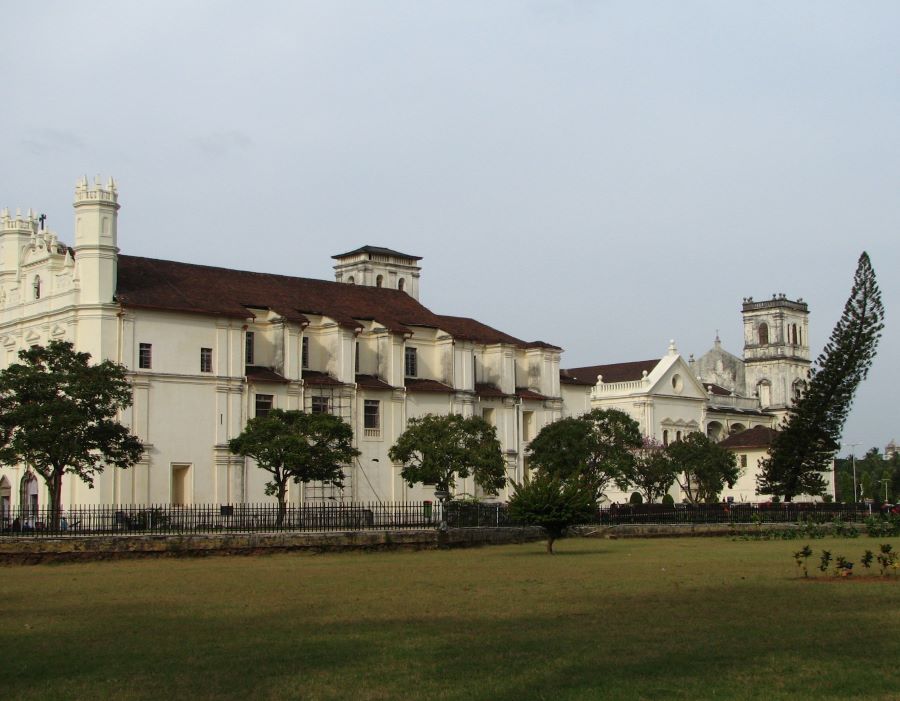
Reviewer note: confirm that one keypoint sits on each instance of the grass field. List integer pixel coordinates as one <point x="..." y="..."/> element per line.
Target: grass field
<point x="622" y="619"/>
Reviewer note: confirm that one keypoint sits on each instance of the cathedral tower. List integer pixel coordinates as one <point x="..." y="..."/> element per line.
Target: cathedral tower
<point x="379" y="267"/>
<point x="96" y="240"/>
<point x="776" y="350"/>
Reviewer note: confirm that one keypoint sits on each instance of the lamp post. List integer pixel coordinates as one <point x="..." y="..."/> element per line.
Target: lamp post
<point x="885" y="480"/>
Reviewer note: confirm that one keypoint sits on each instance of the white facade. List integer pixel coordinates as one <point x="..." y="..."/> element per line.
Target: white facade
<point x="206" y="348"/>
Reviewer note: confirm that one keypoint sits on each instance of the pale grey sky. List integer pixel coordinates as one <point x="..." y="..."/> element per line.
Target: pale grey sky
<point x="604" y="176"/>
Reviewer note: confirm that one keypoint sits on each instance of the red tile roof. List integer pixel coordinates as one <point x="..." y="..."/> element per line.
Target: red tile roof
<point x="716" y="389"/>
<point x="161" y="284"/>
<point x="525" y="393"/>
<point x="466" y="329"/>
<point x="485" y="389"/>
<point x="255" y="373"/>
<point x="314" y="377"/>
<point x="417" y="385"/>
<point x="616" y="372"/>
<point x="566" y="379"/>
<point x="377" y="251"/>
<point x="756" y="437"/>
<point x="372" y="382"/>
<point x="148" y="283"/>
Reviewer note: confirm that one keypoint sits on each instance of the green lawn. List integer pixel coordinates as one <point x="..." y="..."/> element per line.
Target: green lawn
<point x="622" y="619"/>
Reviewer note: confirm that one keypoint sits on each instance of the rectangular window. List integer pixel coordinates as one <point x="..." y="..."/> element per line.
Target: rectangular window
<point x="488" y="415"/>
<point x="743" y="461"/>
<point x="206" y="360"/>
<point x="264" y="403"/>
<point x="411" y="364"/>
<point x="319" y="405"/>
<point x="145" y="355"/>
<point x="248" y="349"/>
<point x="527" y="425"/>
<point x="304" y="353"/>
<point x="356" y="358"/>
<point x="372" y="417"/>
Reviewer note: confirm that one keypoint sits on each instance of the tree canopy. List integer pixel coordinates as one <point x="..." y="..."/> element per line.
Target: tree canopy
<point x="652" y="473"/>
<point x="802" y="450"/>
<point x="58" y="414"/>
<point x="551" y="503"/>
<point x="439" y="449"/>
<point x="703" y="467"/>
<point x="594" y="448"/>
<point x="296" y="446"/>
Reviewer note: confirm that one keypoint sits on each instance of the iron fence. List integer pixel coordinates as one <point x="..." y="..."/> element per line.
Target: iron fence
<point x="336" y="516"/>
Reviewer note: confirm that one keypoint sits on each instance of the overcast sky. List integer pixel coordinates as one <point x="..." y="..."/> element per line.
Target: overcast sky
<point x="605" y="176"/>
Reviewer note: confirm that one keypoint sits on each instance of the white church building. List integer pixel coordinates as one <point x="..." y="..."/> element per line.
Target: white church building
<point x="208" y="348"/>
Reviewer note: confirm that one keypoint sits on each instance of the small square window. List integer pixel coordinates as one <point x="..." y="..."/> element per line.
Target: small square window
<point x="319" y="405"/>
<point x="264" y="404"/>
<point x="206" y="360"/>
<point x="145" y="356"/>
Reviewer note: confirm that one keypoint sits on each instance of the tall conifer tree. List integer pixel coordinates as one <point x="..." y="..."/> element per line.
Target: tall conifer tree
<point x="811" y="433"/>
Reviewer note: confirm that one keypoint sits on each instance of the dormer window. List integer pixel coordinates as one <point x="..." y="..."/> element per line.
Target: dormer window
<point x="36" y="285"/>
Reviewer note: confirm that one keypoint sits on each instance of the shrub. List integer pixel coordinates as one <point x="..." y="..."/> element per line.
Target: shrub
<point x="636" y="498"/>
<point x="668" y="500"/>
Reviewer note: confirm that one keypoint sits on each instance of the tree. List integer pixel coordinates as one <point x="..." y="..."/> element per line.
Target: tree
<point x="802" y="450"/>
<point x="703" y="467"/>
<point x="594" y="448"/>
<point x="439" y="449"/>
<point x="58" y="415"/>
<point x="551" y="503"/>
<point x="652" y="472"/>
<point x="295" y="446"/>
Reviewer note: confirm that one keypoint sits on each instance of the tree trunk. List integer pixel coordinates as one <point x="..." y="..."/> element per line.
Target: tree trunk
<point x="55" y="499"/>
<point x="550" y="540"/>
<point x="282" y="505"/>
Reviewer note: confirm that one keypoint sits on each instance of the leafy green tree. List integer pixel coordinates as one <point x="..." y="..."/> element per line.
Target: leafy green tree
<point x="296" y="446"/>
<point x="652" y="472"/>
<point x="551" y="503"/>
<point x="593" y="449"/>
<point x="703" y="467"/>
<point x="802" y="450"/>
<point x="439" y="449"/>
<point x="58" y="414"/>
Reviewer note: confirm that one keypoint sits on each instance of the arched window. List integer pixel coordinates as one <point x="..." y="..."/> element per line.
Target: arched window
<point x="401" y="283"/>
<point x="763" y="334"/>
<point x="351" y="280"/>
<point x="665" y="437"/>
<point x="37" y="286"/>
<point x="29" y="495"/>
<point x="379" y="280"/>
<point x="797" y="389"/>
<point x="678" y="436"/>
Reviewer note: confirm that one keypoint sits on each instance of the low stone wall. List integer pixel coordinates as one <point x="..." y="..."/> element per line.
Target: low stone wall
<point x="681" y="530"/>
<point x="72" y="548"/>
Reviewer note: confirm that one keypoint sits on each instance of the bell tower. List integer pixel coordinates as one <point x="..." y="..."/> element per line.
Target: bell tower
<point x="379" y="267"/>
<point x="776" y="350"/>
<point x="96" y="240"/>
